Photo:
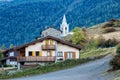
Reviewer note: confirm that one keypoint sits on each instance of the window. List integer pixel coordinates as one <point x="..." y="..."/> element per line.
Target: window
<point x="48" y="53"/>
<point x="11" y="53"/>
<point x="37" y="53"/>
<point x="60" y="54"/>
<point x="30" y="53"/>
<point x="69" y="55"/>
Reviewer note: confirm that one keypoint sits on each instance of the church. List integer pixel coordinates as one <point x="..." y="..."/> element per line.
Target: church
<point x="59" y="33"/>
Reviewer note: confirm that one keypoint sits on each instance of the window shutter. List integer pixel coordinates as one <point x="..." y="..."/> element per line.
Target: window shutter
<point x="47" y="42"/>
<point x="51" y="42"/>
<point x="50" y="53"/>
<point x="33" y="53"/>
<point x="65" y="55"/>
<point x="74" y="55"/>
<point x="40" y="53"/>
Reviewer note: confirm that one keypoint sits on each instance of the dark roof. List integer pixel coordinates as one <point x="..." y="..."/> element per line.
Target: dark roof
<point x="44" y="38"/>
<point x="51" y="27"/>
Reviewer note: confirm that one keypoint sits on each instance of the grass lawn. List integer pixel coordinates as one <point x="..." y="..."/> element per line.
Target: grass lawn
<point x="97" y="52"/>
<point x="117" y="78"/>
<point x="117" y="73"/>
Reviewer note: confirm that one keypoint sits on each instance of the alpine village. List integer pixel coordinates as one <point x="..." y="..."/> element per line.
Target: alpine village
<point x="64" y="52"/>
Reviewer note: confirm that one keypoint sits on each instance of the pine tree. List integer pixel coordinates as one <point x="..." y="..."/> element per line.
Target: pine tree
<point x="11" y="46"/>
<point x="3" y="47"/>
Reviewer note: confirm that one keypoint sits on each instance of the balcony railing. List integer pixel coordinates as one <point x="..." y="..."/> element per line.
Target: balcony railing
<point x="48" y="47"/>
<point x="36" y="58"/>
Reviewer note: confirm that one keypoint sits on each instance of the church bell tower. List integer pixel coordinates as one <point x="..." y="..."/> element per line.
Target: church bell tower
<point x="64" y="27"/>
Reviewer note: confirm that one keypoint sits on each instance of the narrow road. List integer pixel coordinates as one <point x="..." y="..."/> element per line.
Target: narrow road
<point x="94" y="70"/>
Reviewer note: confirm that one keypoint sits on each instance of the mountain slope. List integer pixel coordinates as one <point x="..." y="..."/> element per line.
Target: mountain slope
<point x="22" y="20"/>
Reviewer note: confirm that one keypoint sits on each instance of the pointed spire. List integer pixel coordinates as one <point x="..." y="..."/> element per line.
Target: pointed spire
<point x="64" y="20"/>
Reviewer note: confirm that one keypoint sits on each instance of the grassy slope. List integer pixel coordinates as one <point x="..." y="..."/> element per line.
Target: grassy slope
<point x="98" y="52"/>
<point x="117" y="74"/>
<point x="97" y="30"/>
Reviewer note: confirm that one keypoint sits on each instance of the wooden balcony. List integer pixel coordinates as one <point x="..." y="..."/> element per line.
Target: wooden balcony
<point x="48" y="47"/>
<point x="36" y="59"/>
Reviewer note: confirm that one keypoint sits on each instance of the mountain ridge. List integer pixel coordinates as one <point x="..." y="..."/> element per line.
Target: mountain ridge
<point x="22" y="20"/>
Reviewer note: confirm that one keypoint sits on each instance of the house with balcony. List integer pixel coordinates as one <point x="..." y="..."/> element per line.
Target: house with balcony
<point x="43" y="50"/>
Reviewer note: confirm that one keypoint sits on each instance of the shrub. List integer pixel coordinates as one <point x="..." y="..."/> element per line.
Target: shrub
<point x="95" y="43"/>
<point x="115" y="62"/>
<point x="118" y="49"/>
<point x="8" y="66"/>
<point x="1" y="55"/>
<point x="78" y="36"/>
<point x="101" y="41"/>
<point x="91" y="44"/>
<point x="107" y="25"/>
<point x="117" y="24"/>
<point x="109" y="43"/>
<point x="84" y="29"/>
<point x="108" y="30"/>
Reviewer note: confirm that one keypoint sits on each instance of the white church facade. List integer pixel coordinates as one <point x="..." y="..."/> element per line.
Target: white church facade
<point x="58" y="33"/>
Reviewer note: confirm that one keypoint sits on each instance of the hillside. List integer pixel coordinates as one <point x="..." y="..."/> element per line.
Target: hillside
<point x="103" y="30"/>
<point x="22" y="20"/>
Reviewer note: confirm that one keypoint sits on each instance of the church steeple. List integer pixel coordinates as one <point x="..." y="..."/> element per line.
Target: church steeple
<point x="64" y="27"/>
<point x="64" y="19"/>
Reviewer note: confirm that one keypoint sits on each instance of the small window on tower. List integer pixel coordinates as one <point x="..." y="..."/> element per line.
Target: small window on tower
<point x="65" y="28"/>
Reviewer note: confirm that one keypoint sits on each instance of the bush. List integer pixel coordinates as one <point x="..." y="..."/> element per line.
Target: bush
<point x="118" y="49"/>
<point x="117" y="24"/>
<point x="112" y="23"/>
<point x="115" y="62"/>
<point x="8" y="66"/>
<point x="78" y="36"/>
<point x="101" y="41"/>
<point x="91" y="44"/>
<point x="1" y="54"/>
<point x="108" y="30"/>
<point x="108" y="25"/>
<point x="109" y="43"/>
